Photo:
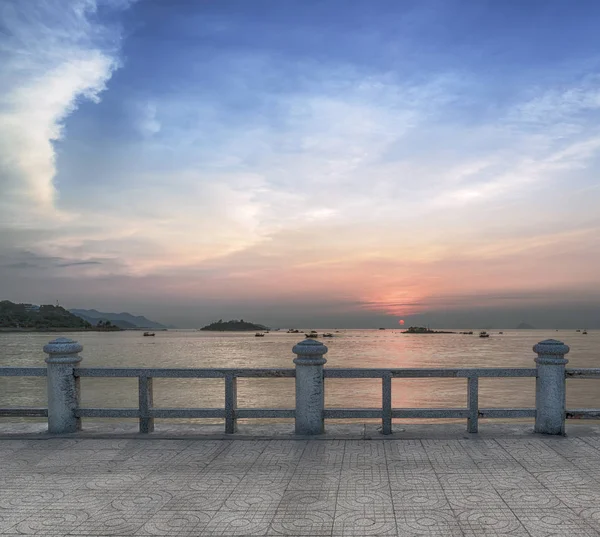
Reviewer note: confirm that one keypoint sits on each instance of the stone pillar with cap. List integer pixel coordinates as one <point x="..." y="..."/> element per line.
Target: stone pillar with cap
<point x="63" y="385"/>
<point x="550" y="387"/>
<point x="310" y="391"/>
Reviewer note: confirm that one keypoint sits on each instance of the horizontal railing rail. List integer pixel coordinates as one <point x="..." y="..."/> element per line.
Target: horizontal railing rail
<point x="23" y="371"/>
<point x="582" y="413"/>
<point x="183" y="373"/>
<point x="23" y="412"/>
<point x="309" y="376"/>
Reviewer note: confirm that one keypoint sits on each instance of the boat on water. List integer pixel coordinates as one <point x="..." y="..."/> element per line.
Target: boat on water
<point x="258" y="334"/>
<point x="483" y="334"/>
<point x="328" y="334"/>
<point x="293" y="331"/>
<point x="312" y="334"/>
<point x="149" y="333"/>
<point x="584" y="332"/>
<point x="578" y="330"/>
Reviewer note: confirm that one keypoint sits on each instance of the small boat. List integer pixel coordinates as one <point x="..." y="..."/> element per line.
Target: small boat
<point x="584" y="332"/>
<point x="293" y="331"/>
<point x="312" y="334"/>
<point x="501" y="332"/>
<point x="483" y="334"/>
<point x="578" y="330"/>
<point x="382" y="329"/>
<point x="258" y="334"/>
<point x="149" y="333"/>
<point x="328" y="334"/>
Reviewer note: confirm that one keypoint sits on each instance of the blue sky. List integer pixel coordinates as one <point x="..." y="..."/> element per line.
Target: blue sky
<point x="359" y="159"/>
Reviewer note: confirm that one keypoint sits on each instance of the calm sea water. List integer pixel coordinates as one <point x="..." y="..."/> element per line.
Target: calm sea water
<point x="350" y="348"/>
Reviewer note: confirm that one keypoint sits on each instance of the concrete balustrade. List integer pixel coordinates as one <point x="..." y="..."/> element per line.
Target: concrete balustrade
<point x="310" y="388"/>
<point x="63" y="385"/>
<point x="550" y="386"/>
<point x="64" y="413"/>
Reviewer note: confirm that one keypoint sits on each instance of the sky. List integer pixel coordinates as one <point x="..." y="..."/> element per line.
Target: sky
<point x="340" y="163"/>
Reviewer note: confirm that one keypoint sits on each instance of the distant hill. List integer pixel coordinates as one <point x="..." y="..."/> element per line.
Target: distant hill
<point x="525" y="326"/>
<point x="33" y="317"/>
<point x="122" y="320"/>
<point x="233" y="326"/>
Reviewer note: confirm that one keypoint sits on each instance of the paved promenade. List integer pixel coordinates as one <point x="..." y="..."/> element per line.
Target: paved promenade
<point x="519" y="486"/>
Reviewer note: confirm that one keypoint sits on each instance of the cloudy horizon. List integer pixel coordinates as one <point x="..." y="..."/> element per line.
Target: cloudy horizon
<point x="332" y="163"/>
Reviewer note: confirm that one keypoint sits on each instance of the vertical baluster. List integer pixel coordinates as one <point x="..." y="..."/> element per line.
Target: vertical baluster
<point x="230" y="403"/>
<point x="146" y="397"/>
<point x="473" y="404"/>
<point x="386" y="403"/>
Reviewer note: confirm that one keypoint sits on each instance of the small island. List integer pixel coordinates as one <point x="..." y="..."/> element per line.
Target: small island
<point x="233" y="326"/>
<point x="423" y="330"/>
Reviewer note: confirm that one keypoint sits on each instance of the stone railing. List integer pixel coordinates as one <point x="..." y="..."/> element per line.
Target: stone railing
<point x="64" y="412"/>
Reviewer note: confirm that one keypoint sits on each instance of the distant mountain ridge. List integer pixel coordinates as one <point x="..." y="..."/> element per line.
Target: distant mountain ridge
<point x="122" y="320"/>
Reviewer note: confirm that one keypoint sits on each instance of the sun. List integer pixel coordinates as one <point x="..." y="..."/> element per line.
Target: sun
<point x="401" y="321"/>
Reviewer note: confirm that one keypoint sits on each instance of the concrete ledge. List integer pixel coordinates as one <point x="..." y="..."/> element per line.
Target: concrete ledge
<point x="285" y="431"/>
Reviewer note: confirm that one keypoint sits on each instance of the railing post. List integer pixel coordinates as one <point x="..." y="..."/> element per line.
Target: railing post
<point x="310" y="391"/>
<point x="230" y="404"/>
<point x="146" y="400"/>
<point x="550" y="386"/>
<point x="473" y="404"/>
<point x="63" y="385"/>
<point x="386" y="404"/>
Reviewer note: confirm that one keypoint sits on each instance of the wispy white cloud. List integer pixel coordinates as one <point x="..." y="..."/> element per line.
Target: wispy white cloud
<point x="54" y="54"/>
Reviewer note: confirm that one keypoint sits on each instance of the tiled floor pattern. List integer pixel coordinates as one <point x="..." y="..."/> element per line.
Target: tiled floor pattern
<point x="531" y="486"/>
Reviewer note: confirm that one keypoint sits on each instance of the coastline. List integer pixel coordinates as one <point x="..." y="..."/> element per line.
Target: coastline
<point x="54" y="329"/>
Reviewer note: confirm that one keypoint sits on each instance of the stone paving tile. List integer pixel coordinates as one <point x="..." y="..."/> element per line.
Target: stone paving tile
<point x="591" y="516"/>
<point x="314" y="522"/>
<point x="195" y="500"/>
<point x="482" y="521"/>
<point x="561" y="478"/>
<point x="580" y="496"/>
<point x="176" y="523"/>
<point x="551" y="522"/>
<point x="467" y="499"/>
<point x="312" y="482"/>
<point x="90" y="501"/>
<point x="239" y="523"/>
<point x="364" y="499"/>
<point x="420" y="499"/>
<point x="242" y="499"/>
<point x="428" y="522"/>
<point x="507" y="479"/>
<point x="117" y="481"/>
<point x="10" y="518"/>
<point x="111" y="521"/>
<point x="137" y="500"/>
<point x="268" y="480"/>
<point x="306" y="500"/>
<point x="364" y="522"/>
<point x="29" y="500"/>
<point x="530" y="497"/>
<point x="414" y="480"/>
<point x="58" y="522"/>
<point x="464" y="481"/>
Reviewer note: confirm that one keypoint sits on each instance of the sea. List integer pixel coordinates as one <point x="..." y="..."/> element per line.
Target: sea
<point x="348" y="348"/>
